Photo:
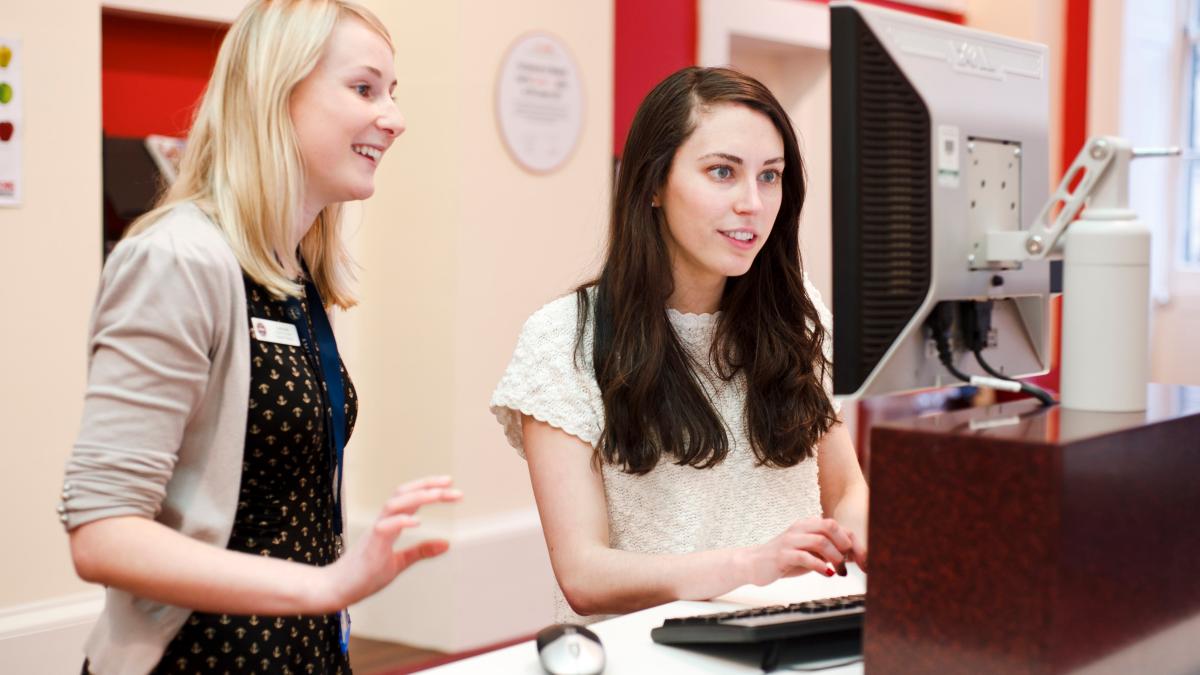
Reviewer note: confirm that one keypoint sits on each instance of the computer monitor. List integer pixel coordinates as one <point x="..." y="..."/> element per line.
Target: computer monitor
<point x="939" y="135"/>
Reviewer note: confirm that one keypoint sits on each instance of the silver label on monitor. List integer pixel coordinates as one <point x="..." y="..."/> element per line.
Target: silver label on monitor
<point x="947" y="156"/>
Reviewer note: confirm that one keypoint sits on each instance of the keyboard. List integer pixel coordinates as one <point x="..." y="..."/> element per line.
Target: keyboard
<point x="841" y="616"/>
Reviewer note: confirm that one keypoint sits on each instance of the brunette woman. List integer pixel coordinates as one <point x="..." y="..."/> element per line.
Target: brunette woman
<point x="675" y="412"/>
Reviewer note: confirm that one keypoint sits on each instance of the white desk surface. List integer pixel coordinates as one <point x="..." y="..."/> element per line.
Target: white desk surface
<point x="630" y="651"/>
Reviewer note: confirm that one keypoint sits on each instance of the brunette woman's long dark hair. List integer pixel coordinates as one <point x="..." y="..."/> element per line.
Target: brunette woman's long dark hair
<point x="768" y="328"/>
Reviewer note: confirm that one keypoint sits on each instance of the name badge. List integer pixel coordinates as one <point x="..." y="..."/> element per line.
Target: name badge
<point x="277" y="332"/>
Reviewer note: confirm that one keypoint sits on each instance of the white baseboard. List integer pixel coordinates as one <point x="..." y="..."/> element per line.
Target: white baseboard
<point x="494" y="584"/>
<point x="47" y="636"/>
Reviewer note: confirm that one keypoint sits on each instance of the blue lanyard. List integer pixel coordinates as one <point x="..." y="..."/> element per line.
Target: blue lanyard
<point x="330" y="364"/>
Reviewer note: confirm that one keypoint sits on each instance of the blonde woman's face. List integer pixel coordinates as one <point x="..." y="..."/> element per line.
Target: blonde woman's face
<point x="344" y="115"/>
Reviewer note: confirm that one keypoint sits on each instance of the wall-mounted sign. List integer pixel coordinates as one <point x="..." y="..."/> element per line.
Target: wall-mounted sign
<point x="12" y="129"/>
<point x="539" y="102"/>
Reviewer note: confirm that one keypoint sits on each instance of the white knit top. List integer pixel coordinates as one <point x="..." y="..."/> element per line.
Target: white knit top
<point x="671" y="509"/>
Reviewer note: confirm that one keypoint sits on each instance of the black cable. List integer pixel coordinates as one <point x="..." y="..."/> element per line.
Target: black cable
<point x="976" y="332"/>
<point x="1026" y="388"/>
<point x="946" y="360"/>
<point x="977" y="324"/>
<point x="976" y="319"/>
<point x="940" y="322"/>
<point x="988" y="368"/>
<point x="1040" y="394"/>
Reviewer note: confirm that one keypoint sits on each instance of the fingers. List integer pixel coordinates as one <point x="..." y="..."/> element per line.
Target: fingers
<point x="822" y="548"/>
<point x="398" y="511"/>
<point x="411" y="500"/>
<point x="429" y="548"/>
<point x="857" y="553"/>
<point x="816" y="543"/>
<point x="422" y="483"/>
<point x="826" y="539"/>
<point x="391" y="526"/>
<point x="798" y="562"/>
<point x="860" y="553"/>
<point x="837" y="535"/>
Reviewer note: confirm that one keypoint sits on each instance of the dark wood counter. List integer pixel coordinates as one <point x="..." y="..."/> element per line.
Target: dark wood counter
<point x="1021" y="539"/>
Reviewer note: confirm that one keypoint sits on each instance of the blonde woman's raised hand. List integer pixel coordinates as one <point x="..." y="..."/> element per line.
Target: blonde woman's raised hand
<point x="373" y="562"/>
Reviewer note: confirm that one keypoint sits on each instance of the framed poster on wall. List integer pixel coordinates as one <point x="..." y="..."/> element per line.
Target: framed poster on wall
<point x="539" y="102"/>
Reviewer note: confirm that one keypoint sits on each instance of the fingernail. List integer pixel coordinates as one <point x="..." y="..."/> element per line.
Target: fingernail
<point x="828" y="571"/>
<point x="453" y="493"/>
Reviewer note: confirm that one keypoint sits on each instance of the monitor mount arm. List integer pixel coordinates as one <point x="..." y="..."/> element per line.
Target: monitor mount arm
<point x="1106" y="275"/>
<point x="1098" y="178"/>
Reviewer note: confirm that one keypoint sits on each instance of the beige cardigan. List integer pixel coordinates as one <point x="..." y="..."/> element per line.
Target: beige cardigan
<point x="164" y="418"/>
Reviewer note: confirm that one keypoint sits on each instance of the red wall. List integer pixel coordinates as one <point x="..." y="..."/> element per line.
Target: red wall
<point x="952" y="17"/>
<point x="1076" y="25"/>
<point x="654" y="38"/>
<point x="1075" y="79"/>
<point x="153" y="73"/>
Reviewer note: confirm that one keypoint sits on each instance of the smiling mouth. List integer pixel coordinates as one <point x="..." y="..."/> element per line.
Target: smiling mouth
<point x="741" y="236"/>
<point x="367" y="151"/>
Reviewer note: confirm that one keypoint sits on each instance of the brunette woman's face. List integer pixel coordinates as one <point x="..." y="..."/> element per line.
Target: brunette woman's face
<point x="344" y="115"/>
<point x="722" y="194"/>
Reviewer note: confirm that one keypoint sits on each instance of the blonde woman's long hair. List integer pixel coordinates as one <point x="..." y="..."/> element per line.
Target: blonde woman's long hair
<point x="242" y="166"/>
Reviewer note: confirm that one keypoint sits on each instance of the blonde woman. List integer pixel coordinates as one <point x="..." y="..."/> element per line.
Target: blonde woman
<point x="204" y="489"/>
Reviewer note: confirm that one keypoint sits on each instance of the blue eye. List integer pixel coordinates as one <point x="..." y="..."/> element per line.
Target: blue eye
<point x="771" y="176"/>
<point x="721" y="172"/>
<point x="363" y="90"/>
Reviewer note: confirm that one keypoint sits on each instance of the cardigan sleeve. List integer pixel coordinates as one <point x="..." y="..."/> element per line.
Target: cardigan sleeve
<point x="153" y="334"/>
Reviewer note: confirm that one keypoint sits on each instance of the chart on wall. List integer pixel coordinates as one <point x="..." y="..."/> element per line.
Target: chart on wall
<point x="539" y="102"/>
<point x="11" y="92"/>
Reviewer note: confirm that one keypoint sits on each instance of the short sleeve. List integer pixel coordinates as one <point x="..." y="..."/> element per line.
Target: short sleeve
<point x="546" y="381"/>
<point x="827" y="322"/>
<point x="152" y="336"/>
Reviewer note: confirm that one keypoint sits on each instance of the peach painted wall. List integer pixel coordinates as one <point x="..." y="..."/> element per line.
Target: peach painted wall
<point x="460" y="245"/>
<point x="49" y="262"/>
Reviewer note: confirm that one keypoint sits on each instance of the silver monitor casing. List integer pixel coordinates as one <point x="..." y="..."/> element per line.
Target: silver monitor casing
<point x="988" y="100"/>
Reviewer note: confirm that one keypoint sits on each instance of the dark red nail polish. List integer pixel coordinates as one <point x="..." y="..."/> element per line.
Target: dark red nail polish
<point x="828" y="572"/>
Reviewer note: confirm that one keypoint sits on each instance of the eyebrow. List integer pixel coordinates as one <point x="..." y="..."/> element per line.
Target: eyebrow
<point x="735" y="159"/>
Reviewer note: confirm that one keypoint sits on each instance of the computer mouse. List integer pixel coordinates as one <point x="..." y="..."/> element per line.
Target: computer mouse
<point x="567" y="649"/>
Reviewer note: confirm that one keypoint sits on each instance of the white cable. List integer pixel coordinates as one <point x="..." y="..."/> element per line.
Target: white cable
<point x="995" y="383"/>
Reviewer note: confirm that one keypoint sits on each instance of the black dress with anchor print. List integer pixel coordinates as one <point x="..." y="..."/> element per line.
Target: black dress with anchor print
<point x="285" y="510"/>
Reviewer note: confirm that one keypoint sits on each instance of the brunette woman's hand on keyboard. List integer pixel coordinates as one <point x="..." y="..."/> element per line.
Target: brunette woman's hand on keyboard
<point x="810" y="545"/>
